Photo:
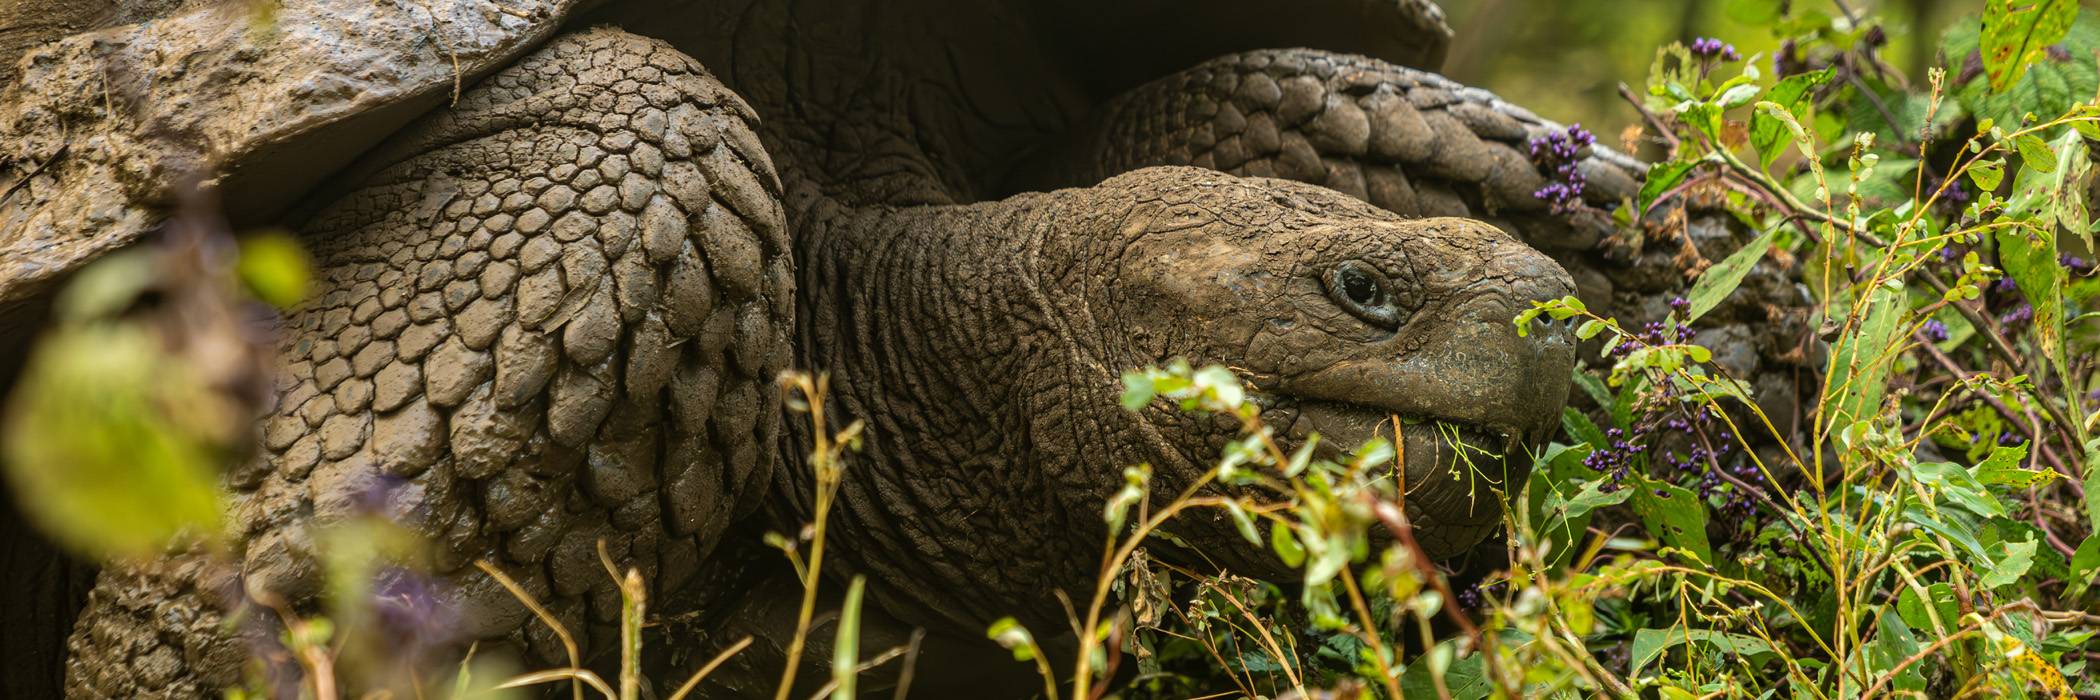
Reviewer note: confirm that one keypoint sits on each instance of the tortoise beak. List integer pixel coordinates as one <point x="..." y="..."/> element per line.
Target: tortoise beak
<point x="1470" y="398"/>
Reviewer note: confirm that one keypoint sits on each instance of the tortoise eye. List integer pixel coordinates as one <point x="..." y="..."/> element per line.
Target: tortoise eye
<point x="1363" y="292"/>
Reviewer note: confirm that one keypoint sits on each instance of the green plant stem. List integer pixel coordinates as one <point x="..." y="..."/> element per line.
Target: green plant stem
<point x="1379" y="652"/>
<point x="823" y="462"/>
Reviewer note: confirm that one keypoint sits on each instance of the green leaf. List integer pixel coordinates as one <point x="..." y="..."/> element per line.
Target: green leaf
<point x="1137" y="391"/>
<point x="1243" y="522"/>
<point x="1286" y="545"/>
<point x="1737" y="96"/>
<point x="1987" y="174"/>
<point x="2051" y="86"/>
<point x="2002" y="468"/>
<point x="2018" y="32"/>
<point x="1676" y="515"/>
<point x="2085" y="567"/>
<point x="1649" y="644"/>
<point x="1661" y="178"/>
<point x="1009" y="633"/>
<point x="1753" y="12"/>
<point x="1769" y="133"/>
<point x="845" y="652"/>
<point x="1717" y="282"/>
<point x="101" y="443"/>
<point x="1958" y="487"/>
<point x="275" y="268"/>
<point x="1580" y="427"/>
<point x="1939" y="599"/>
<point x="2035" y="154"/>
<point x="2029" y="256"/>
<point x="1893" y="644"/>
<point x="1465" y="678"/>
<point x="2007" y="570"/>
<point x="1859" y="366"/>
<point x="2092" y="484"/>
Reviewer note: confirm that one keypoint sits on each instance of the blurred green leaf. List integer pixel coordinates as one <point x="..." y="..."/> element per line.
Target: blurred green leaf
<point x="1754" y="12"/>
<point x="2018" y="32"/>
<point x="95" y="452"/>
<point x="108" y="287"/>
<point x="2050" y="86"/>
<point x="845" y="654"/>
<point x="275" y="268"/>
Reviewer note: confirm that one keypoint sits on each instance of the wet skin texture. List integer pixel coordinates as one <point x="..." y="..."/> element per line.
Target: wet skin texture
<point x="551" y="314"/>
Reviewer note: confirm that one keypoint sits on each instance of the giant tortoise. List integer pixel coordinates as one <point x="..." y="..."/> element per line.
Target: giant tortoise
<point x="565" y="247"/>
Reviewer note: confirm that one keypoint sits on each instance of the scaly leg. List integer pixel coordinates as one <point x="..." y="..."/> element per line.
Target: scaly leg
<point x="548" y="315"/>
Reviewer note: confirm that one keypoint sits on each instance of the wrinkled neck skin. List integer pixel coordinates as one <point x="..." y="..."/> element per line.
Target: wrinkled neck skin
<point x="957" y="334"/>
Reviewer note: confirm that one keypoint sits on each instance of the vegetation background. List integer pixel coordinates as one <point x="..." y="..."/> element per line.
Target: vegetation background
<point x="1565" y="58"/>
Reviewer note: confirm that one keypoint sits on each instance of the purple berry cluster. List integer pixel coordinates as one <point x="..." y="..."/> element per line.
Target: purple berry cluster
<point x="1934" y="330"/>
<point x="1558" y="154"/>
<point x="1472" y="596"/>
<point x="2024" y="313"/>
<point x="1709" y="48"/>
<point x="1657" y="332"/>
<point x="1706" y="459"/>
<point x="1691" y="439"/>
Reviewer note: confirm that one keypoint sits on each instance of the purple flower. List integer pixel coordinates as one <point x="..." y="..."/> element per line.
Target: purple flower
<point x="1934" y="330"/>
<point x="1558" y="155"/>
<point x="2073" y="262"/>
<point x="1709" y="48"/>
<point x="2020" y="314"/>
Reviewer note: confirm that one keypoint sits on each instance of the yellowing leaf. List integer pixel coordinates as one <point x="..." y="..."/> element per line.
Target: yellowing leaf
<point x="2018" y="32"/>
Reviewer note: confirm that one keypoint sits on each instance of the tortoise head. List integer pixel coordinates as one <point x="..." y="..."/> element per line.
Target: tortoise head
<point x="1343" y="320"/>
